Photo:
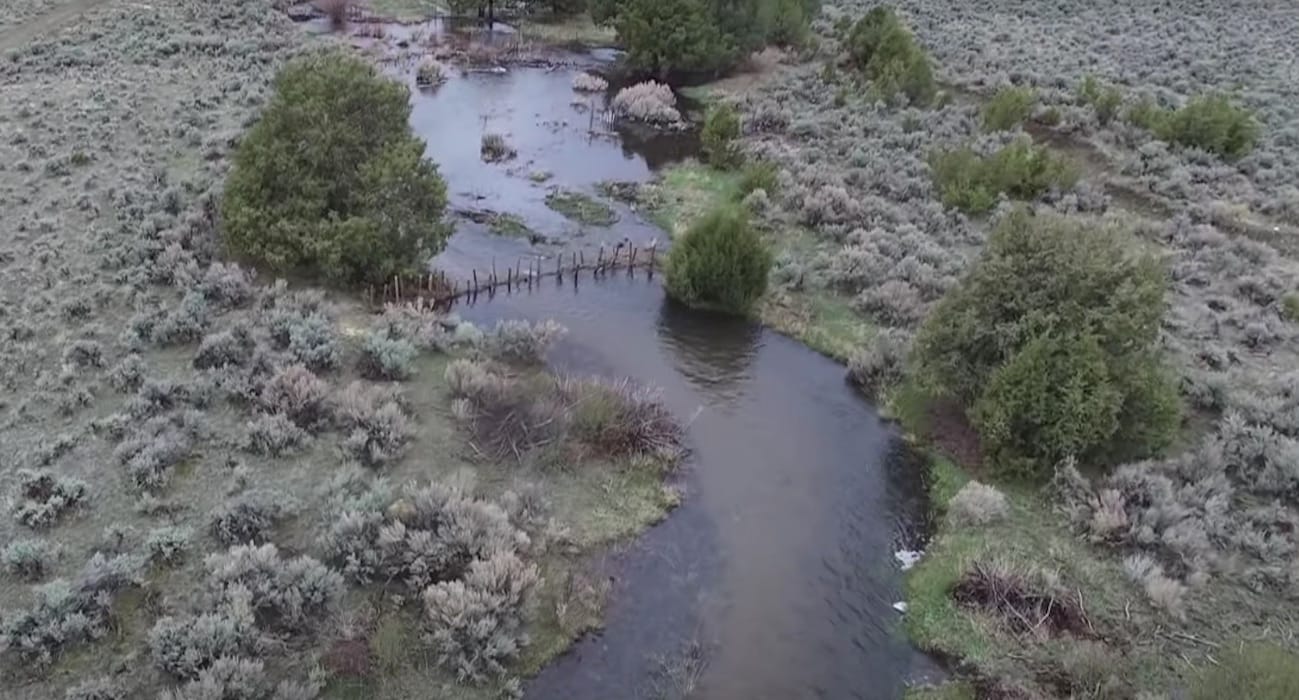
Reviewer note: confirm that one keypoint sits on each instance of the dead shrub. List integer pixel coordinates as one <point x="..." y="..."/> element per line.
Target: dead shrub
<point x="1023" y="599"/>
<point x="619" y="418"/>
<point x="511" y="416"/>
<point x="336" y="11"/>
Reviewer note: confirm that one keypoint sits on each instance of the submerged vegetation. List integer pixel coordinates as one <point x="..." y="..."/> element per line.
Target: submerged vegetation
<point x="581" y="207"/>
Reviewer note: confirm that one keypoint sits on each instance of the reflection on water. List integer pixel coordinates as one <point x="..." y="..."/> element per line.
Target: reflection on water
<point x="558" y="133"/>
<point x="712" y="351"/>
<point x="780" y="563"/>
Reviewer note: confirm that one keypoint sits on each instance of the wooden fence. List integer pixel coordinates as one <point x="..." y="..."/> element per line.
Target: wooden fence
<point x="436" y="288"/>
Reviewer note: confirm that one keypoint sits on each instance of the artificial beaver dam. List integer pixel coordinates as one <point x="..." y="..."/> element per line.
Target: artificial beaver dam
<point x="776" y="578"/>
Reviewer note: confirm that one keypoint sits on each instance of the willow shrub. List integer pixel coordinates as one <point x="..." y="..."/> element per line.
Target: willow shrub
<point x="719" y="263"/>
<point x="331" y="180"/>
<point x="1050" y="343"/>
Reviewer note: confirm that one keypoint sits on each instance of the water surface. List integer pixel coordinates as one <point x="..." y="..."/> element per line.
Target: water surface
<point x="779" y="567"/>
<point x="780" y="563"/>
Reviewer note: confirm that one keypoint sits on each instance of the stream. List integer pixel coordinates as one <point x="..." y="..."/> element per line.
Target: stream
<point x="776" y="578"/>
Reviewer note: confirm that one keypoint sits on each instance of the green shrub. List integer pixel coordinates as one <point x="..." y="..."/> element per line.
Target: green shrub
<point x="1213" y="123"/>
<point x="330" y="178"/>
<point x="758" y="175"/>
<point x="1258" y="671"/>
<point x="1290" y="308"/>
<point x="784" y="22"/>
<point x="717" y="138"/>
<point x="702" y="36"/>
<point x="1106" y="100"/>
<point x="885" y="51"/>
<point x="868" y="33"/>
<point x="664" y="36"/>
<point x="719" y="263"/>
<point x="1208" y="122"/>
<point x="1147" y="115"/>
<point x="1050" y="341"/>
<point x="1020" y="169"/>
<point x="1008" y="108"/>
<point x="1052" y="399"/>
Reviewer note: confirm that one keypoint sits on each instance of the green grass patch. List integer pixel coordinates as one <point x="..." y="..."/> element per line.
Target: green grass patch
<point x="945" y="481"/>
<point x="514" y="226"/>
<point x="908" y="404"/>
<point x="1290" y="307"/>
<point x="575" y="30"/>
<point x="407" y="10"/>
<point x="952" y="690"/>
<point x="687" y="190"/>
<point x="1020" y="170"/>
<point x="703" y="94"/>
<point x="581" y="208"/>
<point x="820" y="319"/>
<point x="1255" y="671"/>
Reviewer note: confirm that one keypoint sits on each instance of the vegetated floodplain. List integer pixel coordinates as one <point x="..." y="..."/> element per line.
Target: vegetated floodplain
<point x="220" y="485"/>
<point x="1114" y="476"/>
<point x="1134" y="554"/>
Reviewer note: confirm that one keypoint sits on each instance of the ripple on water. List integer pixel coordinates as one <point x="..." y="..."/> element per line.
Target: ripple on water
<point x="780" y="563"/>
